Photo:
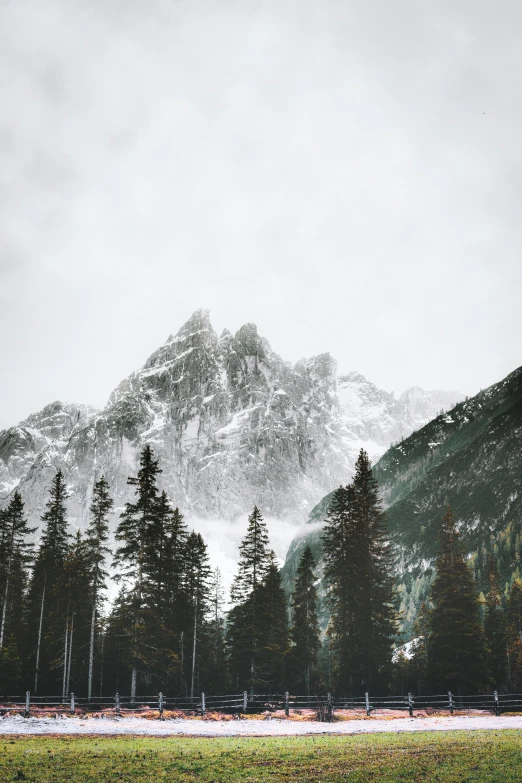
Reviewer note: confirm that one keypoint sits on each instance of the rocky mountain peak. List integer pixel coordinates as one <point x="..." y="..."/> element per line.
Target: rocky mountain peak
<point x="232" y="423"/>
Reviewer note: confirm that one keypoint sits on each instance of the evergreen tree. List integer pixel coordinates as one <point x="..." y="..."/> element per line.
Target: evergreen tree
<point x="46" y="575"/>
<point x="358" y="572"/>
<point x="133" y="557"/>
<point x="273" y="638"/>
<point x="216" y="664"/>
<point x="419" y="649"/>
<point x="10" y="667"/>
<point x="96" y="551"/>
<point x="15" y="557"/>
<point x="244" y="629"/>
<point x="305" y="632"/>
<point x="67" y="633"/>
<point x="197" y="591"/>
<point x="514" y="635"/>
<point x="457" y="652"/>
<point x="494" y="628"/>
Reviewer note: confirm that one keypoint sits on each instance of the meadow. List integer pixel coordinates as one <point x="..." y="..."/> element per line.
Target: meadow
<point x="444" y="757"/>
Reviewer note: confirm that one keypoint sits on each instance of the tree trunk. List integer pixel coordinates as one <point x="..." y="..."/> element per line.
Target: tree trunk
<point x="39" y="637"/>
<point x="101" y="664"/>
<point x="4" y="608"/>
<point x="91" y="649"/>
<point x="194" y="648"/>
<point x="65" y="656"/>
<point x="70" y="654"/>
<point x="134" y="677"/>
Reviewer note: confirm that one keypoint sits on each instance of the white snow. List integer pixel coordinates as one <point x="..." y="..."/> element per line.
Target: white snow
<point x="263" y="728"/>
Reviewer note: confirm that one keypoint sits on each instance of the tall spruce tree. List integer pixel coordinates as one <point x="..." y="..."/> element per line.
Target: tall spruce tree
<point x="133" y="557"/>
<point x="96" y="551"/>
<point x="273" y="638"/>
<point x="457" y="652"/>
<point x="15" y="557"/>
<point x="305" y="634"/>
<point x="358" y="568"/>
<point x="68" y="629"/>
<point x="514" y="635"/>
<point x="494" y="628"/>
<point x="244" y="626"/>
<point x="197" y="590"/>
<point x="46" y="576"/>
<point x="216" y="663"/>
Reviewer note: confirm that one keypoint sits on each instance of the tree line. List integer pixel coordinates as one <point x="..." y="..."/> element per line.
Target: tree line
<point x="167" y="629"/>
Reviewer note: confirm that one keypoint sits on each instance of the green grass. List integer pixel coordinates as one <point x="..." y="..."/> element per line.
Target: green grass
<point x="441" y="757"/>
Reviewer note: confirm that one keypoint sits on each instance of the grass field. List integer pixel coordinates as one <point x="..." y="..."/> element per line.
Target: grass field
<point x="456" y="757"/>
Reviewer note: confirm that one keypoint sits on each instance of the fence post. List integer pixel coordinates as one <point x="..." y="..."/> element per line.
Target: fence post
<point x="410" y="704"/>
<point x="202" y="703"/>
<point x="117" y="700"/>
<point x="367" y="703"/>
<point x="329" y="705"/>
<point x="245" y="698"/>
<point x="495" y="696"/>
<point x="160" y="705"/>
<point x="450" y="698"/>
<point x="27" y="703"/>
<point x="72" y="703"/>
<point x="287" y="704"/>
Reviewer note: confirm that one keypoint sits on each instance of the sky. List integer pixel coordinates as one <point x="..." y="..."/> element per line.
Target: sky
<point x="346" y="174"/>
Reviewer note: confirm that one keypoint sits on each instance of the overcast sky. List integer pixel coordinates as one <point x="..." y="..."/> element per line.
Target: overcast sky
<point x="347" y="175"/>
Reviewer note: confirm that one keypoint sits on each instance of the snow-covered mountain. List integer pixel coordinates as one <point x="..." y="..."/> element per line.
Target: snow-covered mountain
<point x="232" y="423"/>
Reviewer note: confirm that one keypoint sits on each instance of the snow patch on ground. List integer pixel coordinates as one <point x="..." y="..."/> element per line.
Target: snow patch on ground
<point x="245" y="728"/>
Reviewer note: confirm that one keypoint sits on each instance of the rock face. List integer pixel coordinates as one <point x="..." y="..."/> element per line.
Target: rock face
<point x="469" y="457"/>
<point x="232" y="423"/>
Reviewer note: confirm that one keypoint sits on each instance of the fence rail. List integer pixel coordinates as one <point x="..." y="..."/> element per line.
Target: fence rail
<point x="324" y="705"/>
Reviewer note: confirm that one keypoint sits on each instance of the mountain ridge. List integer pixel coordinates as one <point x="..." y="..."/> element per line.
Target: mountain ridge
<point x="232" y="423"/>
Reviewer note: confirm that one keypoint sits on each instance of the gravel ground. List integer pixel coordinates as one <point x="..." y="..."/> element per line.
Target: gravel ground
<point x="264" y="728"/>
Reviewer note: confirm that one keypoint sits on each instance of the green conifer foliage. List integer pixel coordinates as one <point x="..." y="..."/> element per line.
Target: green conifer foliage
<point x="514" y="636"/>
<point x="494" y="629"/>
<point x="96" y="552"/>
<point x="133" y="560"/>
<point x="358" y="572"/>
<point x="10" y="667"/>
<point x="273" y="636"/>
<point x="305" y="634"/>
<point x="419" y="651"/>
<point x="216" y="665"/>
<point x="197" y="575"/>
<point x="15" y="557"/>
<point x="457" y="652"/>
<point x="244" y="627"/>
<point x="44" y="588"/>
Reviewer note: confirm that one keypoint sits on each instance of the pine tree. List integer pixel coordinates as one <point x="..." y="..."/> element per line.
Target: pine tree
<point x="96" y="551"/>
<point x="305" y="632"/>
<point x="494" y="628"/>
<point x="10" y="667"/>
<point x="514" y="636"/>
<point x="273" y="640"/>
<point x="46" y="575"/>
<point x="419" y="649"/>
<point x="457" y="652"/>
<point x="15" y="557"/>
<point x="133" y="555"/>
<point x="67" y="633"/>
<point x="244" y="630"/>
<point x="358" y="570"/>
<point x="216" y="664"/>
<point x="197" y="590"/>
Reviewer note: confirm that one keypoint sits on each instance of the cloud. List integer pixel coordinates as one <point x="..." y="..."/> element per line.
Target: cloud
<point x="347" y="176"/>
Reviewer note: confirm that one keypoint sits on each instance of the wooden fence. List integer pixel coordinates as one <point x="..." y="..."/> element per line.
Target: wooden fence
<point x="244" y="703"/>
